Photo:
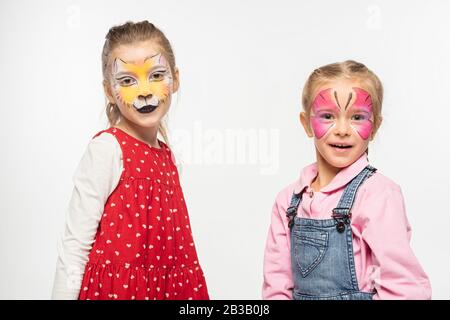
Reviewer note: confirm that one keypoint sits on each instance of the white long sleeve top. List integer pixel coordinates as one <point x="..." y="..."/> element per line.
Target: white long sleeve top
<point x="95" y="178"/>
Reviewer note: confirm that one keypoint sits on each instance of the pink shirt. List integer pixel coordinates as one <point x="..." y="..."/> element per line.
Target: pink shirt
<point x="384" y="260"/>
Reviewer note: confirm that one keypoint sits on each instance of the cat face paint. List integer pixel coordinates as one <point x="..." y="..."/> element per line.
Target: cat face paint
<point x="326" y="110"/>
<point x="142" y="86"/>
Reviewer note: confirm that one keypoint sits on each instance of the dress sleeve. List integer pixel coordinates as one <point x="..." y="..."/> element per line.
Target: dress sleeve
<point x="278" y="284"/>
<point x="397" y="273"/>
<point x="96" y="176"/>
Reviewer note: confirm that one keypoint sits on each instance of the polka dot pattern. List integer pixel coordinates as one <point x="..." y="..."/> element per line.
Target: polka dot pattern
<point x="144" y="248"/>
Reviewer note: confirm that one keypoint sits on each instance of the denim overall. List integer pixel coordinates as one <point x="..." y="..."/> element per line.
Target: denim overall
<point x="322" y="259"/>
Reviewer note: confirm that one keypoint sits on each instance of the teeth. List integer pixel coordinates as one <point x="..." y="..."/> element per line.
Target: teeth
<point x="341" y="145"/>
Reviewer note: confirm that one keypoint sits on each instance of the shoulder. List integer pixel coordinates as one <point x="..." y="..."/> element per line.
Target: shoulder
<point x="104" y="145"/>
<point x="379" y="190"/>
<point x="102" y="159"/>
<point x="379" y="183"/>
<point x="105" y="137"/>
<point x="381" y="202"/>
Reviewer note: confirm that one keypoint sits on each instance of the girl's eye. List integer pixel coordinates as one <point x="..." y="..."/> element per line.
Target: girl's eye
<point x="126" y="82"/>
<point x="358" y="117"/>
<point x="326" y="116"/>
<point x="158" y="76"/>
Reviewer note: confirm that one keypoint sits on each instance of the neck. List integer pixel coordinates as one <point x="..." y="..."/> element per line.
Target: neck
<point x="148" y="135"/>
<point x="325" y="173"/>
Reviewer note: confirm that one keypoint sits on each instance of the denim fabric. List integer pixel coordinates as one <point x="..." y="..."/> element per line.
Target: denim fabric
<point x="322" y="259"/>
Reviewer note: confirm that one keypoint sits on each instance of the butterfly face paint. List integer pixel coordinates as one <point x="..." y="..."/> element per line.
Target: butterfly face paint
<point x="326" y="110"/>
<point x="142" y="86"/>
<point x="323" y="108"/>
<point x="361" y="113"/>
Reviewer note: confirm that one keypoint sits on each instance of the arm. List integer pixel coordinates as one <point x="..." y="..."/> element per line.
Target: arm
<point x="97" y="175"/>
<point x="398" y="274"/>
<point x="278" y="283"/>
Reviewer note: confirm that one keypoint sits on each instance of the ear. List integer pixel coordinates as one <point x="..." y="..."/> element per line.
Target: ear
<point x="306" y="125"/>
<point x="108" y="91"/>
<point x="176" y="80"/>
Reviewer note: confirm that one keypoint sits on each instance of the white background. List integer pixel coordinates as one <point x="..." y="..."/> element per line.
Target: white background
<point x="242" y="65"/>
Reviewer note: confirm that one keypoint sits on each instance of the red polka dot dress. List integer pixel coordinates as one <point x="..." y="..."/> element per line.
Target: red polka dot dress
<point x="144" y="248"/>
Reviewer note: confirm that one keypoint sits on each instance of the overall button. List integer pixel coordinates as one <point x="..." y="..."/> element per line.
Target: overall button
<point x="340" y="227"/>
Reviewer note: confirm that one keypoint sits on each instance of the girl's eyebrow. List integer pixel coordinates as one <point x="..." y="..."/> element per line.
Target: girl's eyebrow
<point x="130" y="73"/>
<point x="158" y="66"/>
<point x="359" y="110"/>
<point x="360" y="107"/>
<point x="326" y="108"/>
<point x="122" y="73"/>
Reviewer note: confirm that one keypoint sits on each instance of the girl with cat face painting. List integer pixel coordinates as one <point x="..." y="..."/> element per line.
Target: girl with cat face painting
<point x="341" y="231"/>
<point x="128" y="233"/>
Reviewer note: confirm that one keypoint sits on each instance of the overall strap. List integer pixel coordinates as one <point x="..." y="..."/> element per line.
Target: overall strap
<point x="291" y="212"/>
<point x="342" y="216"/>
<point x="348" y="197"/>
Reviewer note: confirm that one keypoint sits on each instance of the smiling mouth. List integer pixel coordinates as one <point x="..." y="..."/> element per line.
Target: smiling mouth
<point x="146" y="109"/>
<point x="340" y="146"/>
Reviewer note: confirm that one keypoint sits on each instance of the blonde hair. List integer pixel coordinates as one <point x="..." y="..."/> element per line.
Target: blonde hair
<point x="129" y="33"/>
<point x="345" y="70"/>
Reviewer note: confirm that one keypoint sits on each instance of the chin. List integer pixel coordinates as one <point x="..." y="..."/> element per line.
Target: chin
<point x="148" y="123"/>
<point x="340" y="162"/>
<point x="148" y="120"/>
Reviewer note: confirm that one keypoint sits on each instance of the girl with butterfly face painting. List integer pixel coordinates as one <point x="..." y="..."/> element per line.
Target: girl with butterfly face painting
<point x="128" y="234"/>
<point x="341" y="231"/>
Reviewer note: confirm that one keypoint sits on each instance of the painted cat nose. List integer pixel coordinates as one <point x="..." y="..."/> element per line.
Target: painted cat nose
<point x="145" y="96"/>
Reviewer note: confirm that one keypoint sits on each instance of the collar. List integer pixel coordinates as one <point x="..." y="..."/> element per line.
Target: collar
<point x="343" y="177"/>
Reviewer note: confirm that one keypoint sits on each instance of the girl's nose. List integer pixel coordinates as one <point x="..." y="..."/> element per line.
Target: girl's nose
<point x="144" y="90"/>
<point x="342" y="127"/>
